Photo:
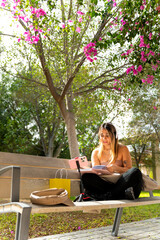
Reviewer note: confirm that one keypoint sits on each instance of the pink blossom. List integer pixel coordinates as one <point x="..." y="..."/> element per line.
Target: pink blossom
<point x="19" y="39"/>
<point x="143" y="59"/>
<point x="142" y="7"/>
<point x="80" y="19"/>
<point x="128" y="70"/>
<point x="90" y="50"/>
<point x="100" y="39"/>
<point x="3" y="4"/>
<point x="139" y="69"/>
<point x="80" y="13"/>
<point x="129" y="51"/>
<point x="149" y="80"/>
<point x="155" y="108"/>
<point x="78" y="29"/>
<point x="150" y="36"/>
<point x="142" y="53"/>
<point x="152" y="53"/>
<point x="62" y="25"/>
<point x="129" y="99"/>
<point x="147" y="46"/>
<point x="154" y="67"/>
<point x="121" y="29"/>
<point x="142" y="44"/>
<point x="135" y="72"/>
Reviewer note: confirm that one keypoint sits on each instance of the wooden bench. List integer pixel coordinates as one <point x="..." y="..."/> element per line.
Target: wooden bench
<point x="92" y="206"/>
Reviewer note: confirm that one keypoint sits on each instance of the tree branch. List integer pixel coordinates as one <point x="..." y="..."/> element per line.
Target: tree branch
<point x="81" y="62"/>
<point x="39" y="49"/>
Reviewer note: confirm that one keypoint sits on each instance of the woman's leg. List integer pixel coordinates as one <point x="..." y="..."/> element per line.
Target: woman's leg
<point x="131" y="178"/>
<point x="103" y="190"/>
<point x="96" y="187"/>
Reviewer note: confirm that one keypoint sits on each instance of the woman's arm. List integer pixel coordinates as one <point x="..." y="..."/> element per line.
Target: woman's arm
<point x="94" y="158"/>
<point x="126" y="159"/>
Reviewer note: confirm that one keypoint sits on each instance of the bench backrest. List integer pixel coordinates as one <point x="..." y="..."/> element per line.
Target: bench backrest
<point x="36" y="172"/>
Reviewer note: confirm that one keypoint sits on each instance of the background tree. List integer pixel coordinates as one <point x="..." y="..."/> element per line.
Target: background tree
<point x="30" y="121"/>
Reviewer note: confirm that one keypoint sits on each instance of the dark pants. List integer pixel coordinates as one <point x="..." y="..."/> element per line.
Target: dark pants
<point x="104" y="190"/>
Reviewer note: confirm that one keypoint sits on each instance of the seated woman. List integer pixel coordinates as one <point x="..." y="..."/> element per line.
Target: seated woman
<point x="117" y="159"/>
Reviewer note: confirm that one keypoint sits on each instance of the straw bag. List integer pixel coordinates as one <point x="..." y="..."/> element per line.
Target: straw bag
<point x="51" y="197"/>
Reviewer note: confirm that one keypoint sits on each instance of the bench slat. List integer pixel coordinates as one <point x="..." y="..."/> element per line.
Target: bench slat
<point x="98" y="205"/>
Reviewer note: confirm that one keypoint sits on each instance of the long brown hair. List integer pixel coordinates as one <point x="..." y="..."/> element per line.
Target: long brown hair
<point x="114" y="140"/>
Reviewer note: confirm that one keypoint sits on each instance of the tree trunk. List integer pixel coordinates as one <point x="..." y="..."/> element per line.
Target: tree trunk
<point x="153" y="160"/>
<point x="72" y="136"/>
<point x="69" y="118"/>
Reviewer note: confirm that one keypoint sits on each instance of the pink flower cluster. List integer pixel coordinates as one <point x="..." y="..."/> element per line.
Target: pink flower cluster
<point x="3" y="4"/>
<point x="143" y="4"/>
<point x="148" y="80"/>
<point x="38" y="12"/>
<point x="128" y="52"/>
<point x="154" y="67"/>
<point x="142" y="44"/>
<point x="30" y="38"/>
<point x="90" y="50"/>
<point x="150" y="36"/>
<point x="155" y="108"/>
<point x="135" y="71"/>
<point x="143" y="55"/>
<point x="123" y="22"/>
<point x="114" y="3"/>
<point x="78" y="29"/>
<point x="80" y="13"/>
<point x="118" y="84"/>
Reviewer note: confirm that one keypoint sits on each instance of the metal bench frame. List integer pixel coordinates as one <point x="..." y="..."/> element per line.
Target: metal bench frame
<point x="23" y="210"/>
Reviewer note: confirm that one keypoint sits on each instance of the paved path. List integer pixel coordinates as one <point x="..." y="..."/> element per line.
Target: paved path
<point x="148" y="229"/>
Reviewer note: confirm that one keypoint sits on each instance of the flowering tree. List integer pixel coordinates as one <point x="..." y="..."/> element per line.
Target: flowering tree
<point x="115" y="42"/>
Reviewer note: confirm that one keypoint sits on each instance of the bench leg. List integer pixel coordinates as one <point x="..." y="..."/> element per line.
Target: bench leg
<point x="22" y="224"/>
<point x="15" y="187"/>
<point x="117" y="220"/>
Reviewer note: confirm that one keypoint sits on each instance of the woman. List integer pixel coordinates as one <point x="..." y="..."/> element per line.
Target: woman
<point x="117" y="159"/>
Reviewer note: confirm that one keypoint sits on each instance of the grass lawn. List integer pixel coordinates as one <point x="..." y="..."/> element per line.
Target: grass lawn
<point x="53" y="223"/>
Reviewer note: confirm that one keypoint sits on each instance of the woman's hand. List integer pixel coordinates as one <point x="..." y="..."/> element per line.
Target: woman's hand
<point x="112" y="168"/>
